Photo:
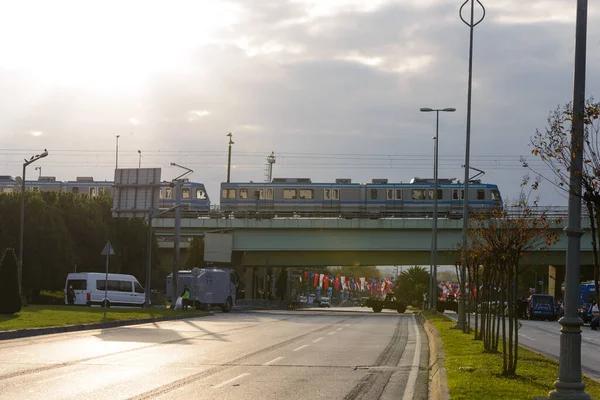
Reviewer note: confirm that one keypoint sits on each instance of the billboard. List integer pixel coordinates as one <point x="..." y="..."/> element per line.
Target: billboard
<point x="136" y="192"/>
<point x="218" y="247"/>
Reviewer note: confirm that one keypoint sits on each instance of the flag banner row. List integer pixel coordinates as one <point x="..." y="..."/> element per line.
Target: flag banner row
<point x="363" y="285"/>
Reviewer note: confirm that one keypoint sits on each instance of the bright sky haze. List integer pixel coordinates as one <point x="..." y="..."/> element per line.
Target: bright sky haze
<point x="334" y="87"/>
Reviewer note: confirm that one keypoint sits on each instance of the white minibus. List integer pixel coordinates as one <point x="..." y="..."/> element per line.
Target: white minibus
<point x="123" y="290"/>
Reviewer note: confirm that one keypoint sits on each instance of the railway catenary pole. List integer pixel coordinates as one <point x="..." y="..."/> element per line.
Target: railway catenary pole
<point x="433" y="268"/>
<point x="177" y="239"/>
<point x="229" y="156"/>
<point x="117" y="153"/>
<point x="569" y="384"/>
<point x="22" y="222"/>
<point x="461" y="323"/>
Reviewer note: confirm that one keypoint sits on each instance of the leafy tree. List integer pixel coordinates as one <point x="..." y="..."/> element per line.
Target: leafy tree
<point x="411" y="284"/>
<point x="195" y="253"/>
<point x="553" y="147"/>
<point x="500" y="240"/>
<point x="10" y="298"/>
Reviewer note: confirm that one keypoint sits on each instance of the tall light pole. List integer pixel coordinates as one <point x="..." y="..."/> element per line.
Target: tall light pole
<point x="39" y="169"/>
<point x="22" y="224"/>
<point x="462" y="306"/>
<point x="117" y="153"/>
<point x="433" y="279"/>
<point x="140" y="159"/>
<point x="229" y="157"/>
<point x="569" y="384"/>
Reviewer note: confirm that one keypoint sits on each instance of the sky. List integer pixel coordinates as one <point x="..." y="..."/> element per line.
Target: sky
<point x="333" y="87"/>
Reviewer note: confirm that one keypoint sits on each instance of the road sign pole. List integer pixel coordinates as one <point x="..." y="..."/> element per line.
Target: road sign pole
<point x="106" y="287"/>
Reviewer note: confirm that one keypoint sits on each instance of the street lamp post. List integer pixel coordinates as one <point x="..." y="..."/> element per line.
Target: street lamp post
<point x="140" y="159"/>
<point x="569" y="384"/>
<point x="229" y="156"/>
<point x="39" y="169"/>
<point x="433" y="279"/>
<point x="22" y="224"/>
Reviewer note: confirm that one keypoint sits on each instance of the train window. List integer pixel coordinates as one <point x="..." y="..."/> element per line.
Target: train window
<point x="326" y="194"/>
<point x="418" y="194"/>
<point x="336" y="194"/>
<point x="185" y="193"/>
<point x="228" y="193"/>
<point x="390" y="194"/>
<point x="243" y="193"/>
<point x="36" y="189"/>
<point x="373" y="194"/>
<point x="7" y="190"/>
<point x="168" y="193"/>
<point x="398" y="194"/>
<point x="161" y="193"/>
<point x="289" y="194"/>
<point x="462" y="194"/>
<point x="261" y="194"/>
<point x="200" y="194"/>
<point x="440" y="194"/>
<point x="480" y="194"/>
<point x="100" y="191"/>
<point x="92" y="191"/>
<point x="75" y="190"/>
<point x="269" y="194"/>
<point x="494" y="194"/>
<point x="307" y="194"/>
<point x="430" y="194"/>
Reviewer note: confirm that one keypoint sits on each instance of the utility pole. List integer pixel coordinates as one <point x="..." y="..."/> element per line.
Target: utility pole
<point x="117" y="153"/>
<point x="229" y="157"/>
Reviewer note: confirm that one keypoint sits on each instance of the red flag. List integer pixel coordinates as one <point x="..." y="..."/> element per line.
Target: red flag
<point x="316" y="281"/>
<point x="337" y="283"/>
<point x="326" y="282"/>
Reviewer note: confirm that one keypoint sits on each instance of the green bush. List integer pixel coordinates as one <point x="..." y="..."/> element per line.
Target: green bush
<point x="10" y="298"/>
<point x="47" y="297"/>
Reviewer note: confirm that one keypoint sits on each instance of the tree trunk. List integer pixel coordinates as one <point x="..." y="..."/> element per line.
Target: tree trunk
<point x="504" y="355"/>
<point x="595" y="223"/>
<point x="516" y="318"/>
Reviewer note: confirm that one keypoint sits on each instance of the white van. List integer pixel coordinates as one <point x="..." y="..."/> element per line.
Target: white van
<point x="123" y="290"/>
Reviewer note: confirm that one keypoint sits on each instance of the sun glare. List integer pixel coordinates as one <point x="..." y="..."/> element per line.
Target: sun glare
<point x="109" y="45"/>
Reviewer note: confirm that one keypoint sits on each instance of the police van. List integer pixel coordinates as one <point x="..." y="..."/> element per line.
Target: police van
<point x="89" y="289"/>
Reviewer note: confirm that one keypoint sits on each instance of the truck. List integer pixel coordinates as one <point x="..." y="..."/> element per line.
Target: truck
<point x="541" y="306"/>
<point x="208" y="287"/>
<point x="389" y="303"/>
<point x="587" y="296"/>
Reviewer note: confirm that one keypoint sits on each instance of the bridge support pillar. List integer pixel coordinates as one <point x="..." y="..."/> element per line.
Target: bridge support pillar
<point x="250" y="284"/>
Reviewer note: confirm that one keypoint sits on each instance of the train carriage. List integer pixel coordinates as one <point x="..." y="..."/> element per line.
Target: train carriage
<point x="302" y="197"/>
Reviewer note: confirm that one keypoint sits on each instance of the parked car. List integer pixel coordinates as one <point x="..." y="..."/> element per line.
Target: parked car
<point x="209" y="287"/>
<point x="89" y="289"/>
<point x="325" y="302"/>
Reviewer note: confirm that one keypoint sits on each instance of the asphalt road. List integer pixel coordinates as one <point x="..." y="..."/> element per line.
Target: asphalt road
<point x="314" y="354"/>
<point x="544" y="337"/>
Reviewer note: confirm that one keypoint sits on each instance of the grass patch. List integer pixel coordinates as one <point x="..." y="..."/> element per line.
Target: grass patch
<point x="38" y="316"/>
<point x="536" y="373"/>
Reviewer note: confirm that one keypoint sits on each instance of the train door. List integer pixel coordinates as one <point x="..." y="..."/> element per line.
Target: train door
<point x="266" y="199"/>
<point x="362" y="199"/>
<point x="456" y="202"/>
<point x="331" y="199"/>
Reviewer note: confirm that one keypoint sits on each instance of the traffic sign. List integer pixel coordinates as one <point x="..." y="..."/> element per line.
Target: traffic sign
<point x="108" y="250"/>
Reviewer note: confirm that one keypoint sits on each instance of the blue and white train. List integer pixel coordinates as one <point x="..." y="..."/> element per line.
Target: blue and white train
<point x="194" y="195"/>
<point x="380" y="198"/>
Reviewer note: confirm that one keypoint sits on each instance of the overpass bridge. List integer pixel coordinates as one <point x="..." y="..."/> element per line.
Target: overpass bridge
<point x="304" y="242"/>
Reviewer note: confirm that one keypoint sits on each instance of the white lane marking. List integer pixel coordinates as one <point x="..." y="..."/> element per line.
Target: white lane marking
<point x="339" y="329"/>
<point x="273" y="360"/>
<point x="414" y="370"/>
<point x="318" y="340"/>
<point x="301" y="347"/>
<point x="231" y="380"/>
<point x="526" y="337"/>
<point x="331" y="333"/>
<point x="347" y="325"/>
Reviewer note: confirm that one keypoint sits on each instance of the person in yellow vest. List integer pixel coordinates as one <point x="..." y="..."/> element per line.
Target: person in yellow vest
<point x="185" y="297"/>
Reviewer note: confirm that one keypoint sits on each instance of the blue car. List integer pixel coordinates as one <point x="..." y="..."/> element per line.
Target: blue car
<point x="541" y="306"/>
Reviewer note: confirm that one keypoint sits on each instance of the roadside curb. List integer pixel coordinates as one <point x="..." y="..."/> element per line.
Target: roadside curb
<point x="23" y="333"/>
<point x="438" y="380"/>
